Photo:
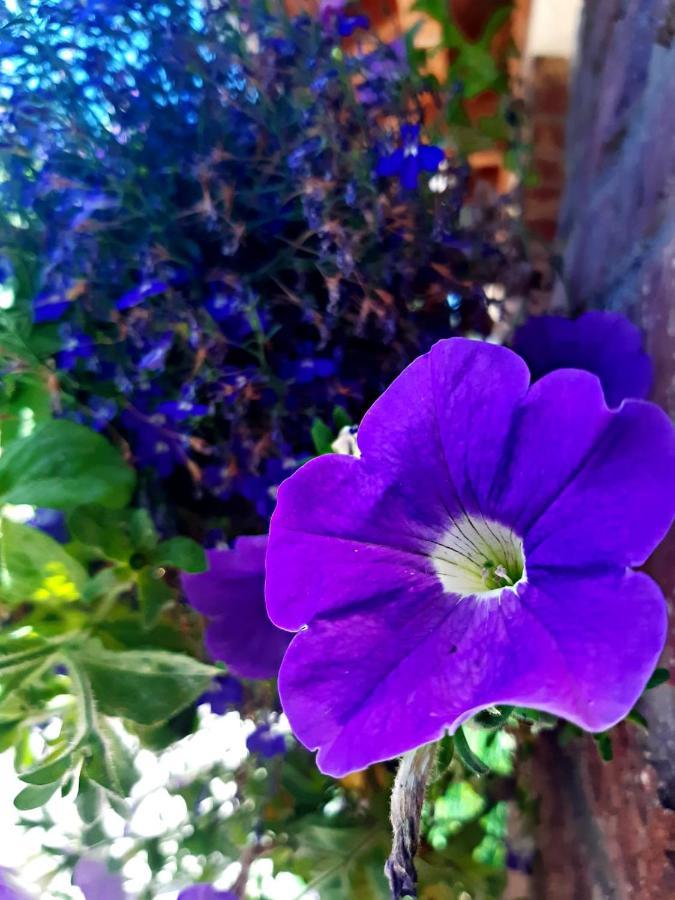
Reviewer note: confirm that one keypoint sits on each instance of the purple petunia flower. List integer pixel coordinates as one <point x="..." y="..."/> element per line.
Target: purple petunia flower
<point x="607" y="344"/>
<point x="476" y="554"/>
<point x="7" y="891"/>
<point x="412" y="158"/>
<point x="231" y="595"/>
<point x="205" y="892"/>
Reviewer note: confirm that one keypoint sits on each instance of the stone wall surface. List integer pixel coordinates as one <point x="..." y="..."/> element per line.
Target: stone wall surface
<point x="607" y="831"/>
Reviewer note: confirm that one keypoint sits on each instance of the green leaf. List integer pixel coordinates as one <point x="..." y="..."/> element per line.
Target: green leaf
<point x="466" y="754"/>
<point x="660" y="676"/>
<point x="181" y="553"/>
<point x="9" y="732"/>
<point x="146" y="686"/>
<point x="142" y="530"/>
<point x="26" y="399"/>
<point x="62" y="465"/>
<point x="23" y="659"/>
<point x="638" y="719"/>
<point x="341" y="418"/>
<point x="154" y="595"/>
<point x="36" y="567"/>
<point x="49" y="771"/>
<point x="494" y="718"/>
<point x="111" y="580"/>
<point x="322" y="436"/>
<point x="88" y="801"/>
<point x="34" y="796"/>
<point x="18" y="668"/>
<point x="110" y="764"/>
<point x="103" y="529"/>
<point x="604" y="744"/>
<point x="446" y="751"/>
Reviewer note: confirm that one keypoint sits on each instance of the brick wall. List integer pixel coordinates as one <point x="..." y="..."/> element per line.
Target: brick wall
<point x="607" y="832"/>
<point x="546" y="86"/>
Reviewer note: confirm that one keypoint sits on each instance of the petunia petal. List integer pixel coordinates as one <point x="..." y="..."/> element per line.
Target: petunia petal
<point x="604" y="343"/>
<point x="618" y="503"/>
<point x="552" y="433"/>
<point x="315" y="574"/>
<point x="441" y="427"/>
<point x="231" y="593"/>
<point x="377" y="682"/>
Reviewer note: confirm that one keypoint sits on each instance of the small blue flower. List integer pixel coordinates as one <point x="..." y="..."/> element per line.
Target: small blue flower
<point x="412" y="158"/>
<point x="308" y="148"/>
<point x="183" y="408"/>
<point x="266" y="742"/>
<point x="227" y="692"/>
<point x="154" y="358"/>
<point x="76" y="345"/>
<point x="102" y="411"/>
<point x="50" y="306"/>
<point x="6" y="271"/>
<point x="347" y="25"/>
<point x="144" y="291"/>
<point x="53" y="523"/>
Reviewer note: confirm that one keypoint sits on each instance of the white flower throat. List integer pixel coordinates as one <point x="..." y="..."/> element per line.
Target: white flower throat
<point x="477" y="557"/>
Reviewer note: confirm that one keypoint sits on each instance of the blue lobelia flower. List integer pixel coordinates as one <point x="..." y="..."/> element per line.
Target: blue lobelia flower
<point x="478" y="552"/>
<point x="226" y="693"/>
<point x="347" y="25"/>
<point x="409" y="160"/>
<point x="138" y="295"/>
<point x="50" y="305"/>
<point x="267" y="742"/>
<point x="75" y="345"/>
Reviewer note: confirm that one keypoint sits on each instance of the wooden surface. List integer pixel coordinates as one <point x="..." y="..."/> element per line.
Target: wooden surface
<point x="607" y="831"/>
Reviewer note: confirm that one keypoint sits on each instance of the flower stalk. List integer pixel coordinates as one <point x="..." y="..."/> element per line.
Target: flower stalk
<point x="407" y="799"/>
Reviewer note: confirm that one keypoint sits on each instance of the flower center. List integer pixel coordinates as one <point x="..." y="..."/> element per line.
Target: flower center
<point x="477" y="557"/>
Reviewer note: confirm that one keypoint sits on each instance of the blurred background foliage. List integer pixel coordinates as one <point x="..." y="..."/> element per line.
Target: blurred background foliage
<point x="204" y="280"/>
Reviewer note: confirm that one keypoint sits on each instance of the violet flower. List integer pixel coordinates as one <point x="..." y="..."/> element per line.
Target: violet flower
<point x="607" y="344"/>
<point x="205" y="892"/>
<point x="231" y="594"/>
<point x="266" y="742"/>
<point x="225" y="693"/>
<point x="476" y="554"/>
<point x="138" y="295"/>
<point x="408" y="161"/>
<point x="7" y="891"/>
<point x="96" y="882"/>
<point x="347" y="25"/>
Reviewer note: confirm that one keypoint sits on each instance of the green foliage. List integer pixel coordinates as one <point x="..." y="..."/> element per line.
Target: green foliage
<point x="62" y="465"/>
<point x="660" y="676"/>
<point x="146" y="686"/>
<point x="36" y="567"/>
<point x="474" y="69"/>
<point x="180" y="553"/>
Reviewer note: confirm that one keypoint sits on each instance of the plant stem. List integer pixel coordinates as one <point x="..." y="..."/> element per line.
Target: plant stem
<point x="407" y="799"/>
